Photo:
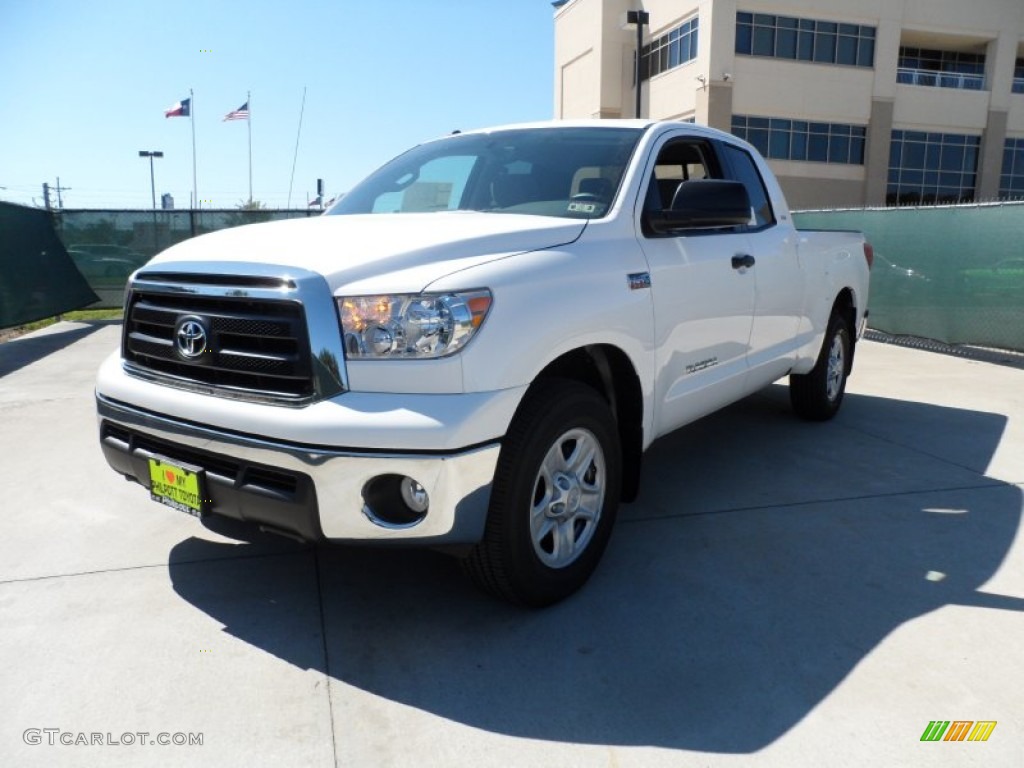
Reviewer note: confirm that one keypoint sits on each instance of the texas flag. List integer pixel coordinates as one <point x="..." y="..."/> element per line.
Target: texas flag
<point x="181" y="109"/>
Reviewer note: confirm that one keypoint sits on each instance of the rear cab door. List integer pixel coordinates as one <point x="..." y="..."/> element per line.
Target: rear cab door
<point x="777" y="273"/>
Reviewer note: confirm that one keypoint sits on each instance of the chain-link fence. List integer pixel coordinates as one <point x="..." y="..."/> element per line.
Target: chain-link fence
<point x="954" y="274"/>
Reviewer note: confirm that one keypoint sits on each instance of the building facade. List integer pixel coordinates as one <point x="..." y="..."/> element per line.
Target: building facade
<point x="873" y="102"/>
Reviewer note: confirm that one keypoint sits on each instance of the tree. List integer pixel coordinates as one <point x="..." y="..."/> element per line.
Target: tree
<point x="247" y="212"/>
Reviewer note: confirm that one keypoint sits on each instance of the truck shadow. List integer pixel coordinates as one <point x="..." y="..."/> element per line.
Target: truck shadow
<point x="18" y="353"/>
<point x="765" y="559"/>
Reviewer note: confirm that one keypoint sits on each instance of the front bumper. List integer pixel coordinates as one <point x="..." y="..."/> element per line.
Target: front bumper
<point x="312" y="491"/>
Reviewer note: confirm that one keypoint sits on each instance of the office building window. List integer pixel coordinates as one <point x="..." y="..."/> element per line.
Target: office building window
<point x="802" y="140"/>
<point x="941" y="69"/>
<point x="1018" y="77"/>
<point x="1011" y="183"/>
<point x="929" y="168"/>
<point x="670" y="50"/>
<point x="786" y="37"/>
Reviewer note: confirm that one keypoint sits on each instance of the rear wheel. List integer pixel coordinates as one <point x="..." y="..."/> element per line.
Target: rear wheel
<point x="554" y="499"/>
<point x="817" y="395"/>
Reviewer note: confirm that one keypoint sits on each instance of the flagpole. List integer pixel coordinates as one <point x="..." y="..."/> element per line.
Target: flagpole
<point x="248" y="102"/>
<point x="192" y="118"/>
<point x="297" y="135"/>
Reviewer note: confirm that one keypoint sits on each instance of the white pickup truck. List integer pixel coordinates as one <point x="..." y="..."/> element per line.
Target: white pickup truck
<point x="473" y="349"/>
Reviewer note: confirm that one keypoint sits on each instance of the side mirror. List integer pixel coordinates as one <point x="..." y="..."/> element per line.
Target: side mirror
<point x="703" y="204"/>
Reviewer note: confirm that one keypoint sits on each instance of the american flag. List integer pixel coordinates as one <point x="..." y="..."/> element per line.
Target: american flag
<point x="242" y="113"/>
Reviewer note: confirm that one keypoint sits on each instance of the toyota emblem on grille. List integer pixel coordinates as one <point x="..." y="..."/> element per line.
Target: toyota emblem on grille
<point x="190" y="338"/>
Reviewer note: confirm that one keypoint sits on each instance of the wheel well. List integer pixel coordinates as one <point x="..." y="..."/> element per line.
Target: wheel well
<point x="609" y="371"/>
<point x="845" y="307"/>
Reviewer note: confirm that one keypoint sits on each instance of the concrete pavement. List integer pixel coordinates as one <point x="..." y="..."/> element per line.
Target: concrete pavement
<point x="781" y="594"/>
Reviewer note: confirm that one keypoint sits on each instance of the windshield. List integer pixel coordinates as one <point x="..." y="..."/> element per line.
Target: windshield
<point x="569" y="172"/>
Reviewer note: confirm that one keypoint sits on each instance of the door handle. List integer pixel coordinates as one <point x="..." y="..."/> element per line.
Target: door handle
<point x="742" y="260"/>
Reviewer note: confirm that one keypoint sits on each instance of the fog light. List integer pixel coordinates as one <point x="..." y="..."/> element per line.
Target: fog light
<point x="395" y="501"/>
<point x="414" y="495"/>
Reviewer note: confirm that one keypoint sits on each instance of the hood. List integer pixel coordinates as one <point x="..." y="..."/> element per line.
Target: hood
<point x="377" y="253"/>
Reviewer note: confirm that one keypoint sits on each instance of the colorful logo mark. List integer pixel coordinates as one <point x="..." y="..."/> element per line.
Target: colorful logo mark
<point x="958" y="730"/>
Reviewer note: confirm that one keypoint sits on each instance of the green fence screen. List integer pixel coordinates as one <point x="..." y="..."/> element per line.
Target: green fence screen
<point x="37" y="279"/>
<point x="954" y="274"/>
<point x="108" y="245"/>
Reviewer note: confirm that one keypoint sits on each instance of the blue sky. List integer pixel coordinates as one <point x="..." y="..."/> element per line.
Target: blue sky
<point x="86" y="83"/>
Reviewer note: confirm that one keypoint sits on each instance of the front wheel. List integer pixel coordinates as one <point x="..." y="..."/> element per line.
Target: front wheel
<point x="817" y="395"/>
<point x="554" y="498"/>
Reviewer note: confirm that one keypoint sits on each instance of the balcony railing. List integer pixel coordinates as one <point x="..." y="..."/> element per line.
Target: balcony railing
<point x="933" y="79"/>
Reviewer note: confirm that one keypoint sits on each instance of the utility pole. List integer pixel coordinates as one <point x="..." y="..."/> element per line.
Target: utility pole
<point x="60" y="200"/>
<point x="46" y="195"/>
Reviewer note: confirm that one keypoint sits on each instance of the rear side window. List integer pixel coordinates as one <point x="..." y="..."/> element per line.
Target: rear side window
<point x="745" y="170"/>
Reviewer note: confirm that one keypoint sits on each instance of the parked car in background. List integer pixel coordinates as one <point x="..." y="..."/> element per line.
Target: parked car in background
<point x="1004" y="280"/>
<point x="105" y="261"/>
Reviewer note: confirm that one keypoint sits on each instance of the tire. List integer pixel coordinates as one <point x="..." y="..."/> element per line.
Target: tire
<point x="554" y="497"/>
<point x="816" y="396"/>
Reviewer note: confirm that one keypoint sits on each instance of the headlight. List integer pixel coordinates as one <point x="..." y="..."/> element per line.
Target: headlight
<point x="414" y="326"/>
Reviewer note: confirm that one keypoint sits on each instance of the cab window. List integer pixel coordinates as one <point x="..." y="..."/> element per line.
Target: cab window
<point x="745" y="170"/>
<point x="678" y="162"/>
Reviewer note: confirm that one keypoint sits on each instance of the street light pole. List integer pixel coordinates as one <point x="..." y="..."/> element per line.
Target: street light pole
<point x="152" y="178"/>
<point x="152" y="189"/>
<point x="640" y="19"/>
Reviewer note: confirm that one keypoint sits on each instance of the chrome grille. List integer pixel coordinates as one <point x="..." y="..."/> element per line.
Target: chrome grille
<point x="255" y="346"/>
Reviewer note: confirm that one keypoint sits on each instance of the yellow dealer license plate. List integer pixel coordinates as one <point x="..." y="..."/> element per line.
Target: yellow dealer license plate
<point x="178" y="486"/>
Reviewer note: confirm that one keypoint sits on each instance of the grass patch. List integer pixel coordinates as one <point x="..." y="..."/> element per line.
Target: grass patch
<point x="93" y="314"/>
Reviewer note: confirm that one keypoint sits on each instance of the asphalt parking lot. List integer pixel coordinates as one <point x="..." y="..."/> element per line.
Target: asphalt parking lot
<point x="782" y="594"/>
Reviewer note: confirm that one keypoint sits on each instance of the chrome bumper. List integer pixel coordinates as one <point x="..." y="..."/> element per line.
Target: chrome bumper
<point x="458" y="483"/>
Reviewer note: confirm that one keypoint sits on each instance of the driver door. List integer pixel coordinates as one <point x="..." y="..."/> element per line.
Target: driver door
<point x="703" y="303"/>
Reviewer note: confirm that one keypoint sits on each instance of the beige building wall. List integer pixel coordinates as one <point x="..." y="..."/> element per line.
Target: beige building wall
<point x="594" y="78"/>
<point x="1015" y="120"/>
<point x="946" y="109"/>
